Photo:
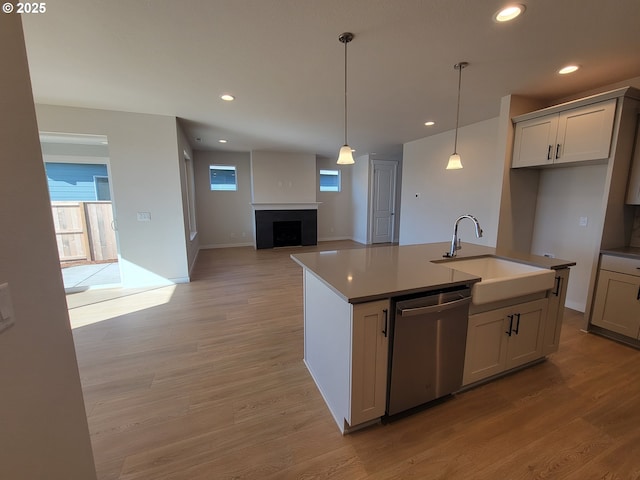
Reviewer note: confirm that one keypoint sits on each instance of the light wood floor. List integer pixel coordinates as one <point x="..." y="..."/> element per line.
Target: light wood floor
<point x="206" y="381"/>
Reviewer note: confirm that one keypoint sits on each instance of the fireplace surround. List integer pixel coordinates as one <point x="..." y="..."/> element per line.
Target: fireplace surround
<point x="286" y="222"/>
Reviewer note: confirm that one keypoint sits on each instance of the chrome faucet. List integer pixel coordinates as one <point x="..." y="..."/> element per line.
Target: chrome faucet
<point x="455" y="241"/>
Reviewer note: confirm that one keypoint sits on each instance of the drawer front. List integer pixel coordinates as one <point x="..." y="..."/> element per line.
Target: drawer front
<point x="630" y="266"/>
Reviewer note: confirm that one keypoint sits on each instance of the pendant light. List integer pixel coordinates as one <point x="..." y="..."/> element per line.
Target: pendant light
<point x="454" y="160"/>
<point x="345" y="157"/>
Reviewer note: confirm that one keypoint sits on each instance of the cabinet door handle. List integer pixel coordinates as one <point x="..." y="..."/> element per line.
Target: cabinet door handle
<point x="510" y="317"/>
<point x="558" y="151"/>
<point x="549" y="152"/>
<point x="386" y="321"/>
<point x="638" y="296"/>
<point x="517" y="324"/>
<point x="556" y="292"/>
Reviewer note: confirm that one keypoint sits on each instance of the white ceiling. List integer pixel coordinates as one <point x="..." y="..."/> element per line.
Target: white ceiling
<point x="283" y="62"/>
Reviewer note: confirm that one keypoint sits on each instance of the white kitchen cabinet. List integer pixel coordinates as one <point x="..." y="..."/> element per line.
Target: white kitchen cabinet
<point x="501" y="339"/>
<point x="486" y="350"/>
<point x="617" y="298"/>
<point x="369" y="355"/>
<point x="535" y="141"/>
<point x="555" y="312"/>
<point x="575" y="135"/>
<point x="346" y="351"/>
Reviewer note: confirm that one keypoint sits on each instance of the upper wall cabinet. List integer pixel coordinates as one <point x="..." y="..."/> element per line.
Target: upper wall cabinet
<point x="574" y="135"/>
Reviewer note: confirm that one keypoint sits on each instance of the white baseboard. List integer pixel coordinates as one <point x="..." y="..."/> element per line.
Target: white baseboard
<point x="180" y="280"/>
<point x="250" y="244"/>
<point x="580" y="307"/>
<point x="225" y="245"/>
<point x="333" y="239"/>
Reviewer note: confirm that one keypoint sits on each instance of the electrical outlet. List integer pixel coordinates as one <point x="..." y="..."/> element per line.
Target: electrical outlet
<point x="583" y="222"/>
<point x="144" y="216"/>
<point x="6" y="308"/>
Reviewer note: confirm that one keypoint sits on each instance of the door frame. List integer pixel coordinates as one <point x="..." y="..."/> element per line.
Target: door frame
<point x="394" y="195"/>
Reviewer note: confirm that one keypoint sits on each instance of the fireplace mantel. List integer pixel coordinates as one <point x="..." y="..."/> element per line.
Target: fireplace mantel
<point x="286" y="206"/>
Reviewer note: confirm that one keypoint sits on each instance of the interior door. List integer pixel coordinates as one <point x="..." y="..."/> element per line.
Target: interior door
<point x="384" y="199"/>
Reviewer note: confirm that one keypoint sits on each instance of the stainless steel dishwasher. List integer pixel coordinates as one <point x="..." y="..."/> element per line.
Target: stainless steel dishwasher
<point x="428" y="341"/>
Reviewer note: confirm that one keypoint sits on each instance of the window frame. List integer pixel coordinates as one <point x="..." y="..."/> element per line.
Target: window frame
<point x="189" y="179"/>
<point x="96" y="180"/>
<point x="330" y="173"/>
<point x="233" y="168"/>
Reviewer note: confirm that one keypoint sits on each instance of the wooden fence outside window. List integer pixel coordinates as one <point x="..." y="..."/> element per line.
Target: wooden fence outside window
<point x="84" y="231"/>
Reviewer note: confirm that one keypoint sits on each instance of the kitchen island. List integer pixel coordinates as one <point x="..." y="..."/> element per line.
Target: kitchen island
<point x="348" y="296"/>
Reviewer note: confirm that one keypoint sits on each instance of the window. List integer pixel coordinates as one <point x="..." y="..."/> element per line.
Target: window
<point x="191" y="195"/>
<point x="329" y="180"/>
<point x="223" y="177"/>
<point x="102" y="188"/>
<point x="77" y="182"/>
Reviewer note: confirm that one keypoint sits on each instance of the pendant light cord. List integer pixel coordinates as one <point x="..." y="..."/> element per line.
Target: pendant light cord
<point x="345" y="92"/>
<point x="459" y="66"/>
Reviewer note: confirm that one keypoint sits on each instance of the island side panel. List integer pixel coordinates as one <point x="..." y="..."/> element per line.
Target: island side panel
<point x="327" y="344"/>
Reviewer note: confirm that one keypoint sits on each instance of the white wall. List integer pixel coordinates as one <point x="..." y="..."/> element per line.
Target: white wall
<point x="279" y="177"/>
<point x="565" y="195"/>
<point x="145" y="177"/>
<point x="360" y="195"/>
<point x="186" y="157"/>
<point x="225" y="219"/>
<point x="444" y="195"/>
<point x="43" y="431"/>
<point x="334" y="212"/>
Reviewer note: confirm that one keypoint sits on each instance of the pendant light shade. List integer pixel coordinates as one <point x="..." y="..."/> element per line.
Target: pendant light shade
<point x="455" y="163"/>
<point x="345" y="157"/>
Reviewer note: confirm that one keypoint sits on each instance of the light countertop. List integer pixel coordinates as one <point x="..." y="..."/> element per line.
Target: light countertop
<point x="628" y="252"/>
<point x="367" y="274"/>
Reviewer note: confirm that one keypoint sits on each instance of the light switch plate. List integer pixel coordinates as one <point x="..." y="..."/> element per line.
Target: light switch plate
<point x="144" y="216"/>
<point x="7" y="315"/>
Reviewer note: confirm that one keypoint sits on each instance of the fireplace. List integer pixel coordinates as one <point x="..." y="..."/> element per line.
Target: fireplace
<point x="284" y="228"/>
<point x="287" y="233"/>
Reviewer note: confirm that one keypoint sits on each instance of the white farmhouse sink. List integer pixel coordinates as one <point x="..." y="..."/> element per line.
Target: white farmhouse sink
<point x="502" y="279"/>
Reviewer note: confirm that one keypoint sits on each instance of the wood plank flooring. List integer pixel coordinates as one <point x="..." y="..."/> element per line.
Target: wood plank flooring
<point x="206" y="381"/>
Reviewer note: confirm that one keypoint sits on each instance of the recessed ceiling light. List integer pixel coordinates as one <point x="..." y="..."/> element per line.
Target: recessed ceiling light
<point x="222" y="140"/>
<point x="227" y="97"/>
<point x="429" y="123"/>
<point x="568" y="69"/>
<point x="509" y="12"/>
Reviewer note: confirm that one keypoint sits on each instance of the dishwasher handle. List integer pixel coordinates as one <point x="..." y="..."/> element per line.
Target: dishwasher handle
<point x="411" y="312"/>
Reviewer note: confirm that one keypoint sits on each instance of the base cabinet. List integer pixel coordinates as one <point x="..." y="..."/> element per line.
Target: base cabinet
<point x="617" y="299"/>
<point x="555" y="312"/>
<point x="369" y="355"/>
<point x="346" y="350"/>
<point x="504" y="338"/>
